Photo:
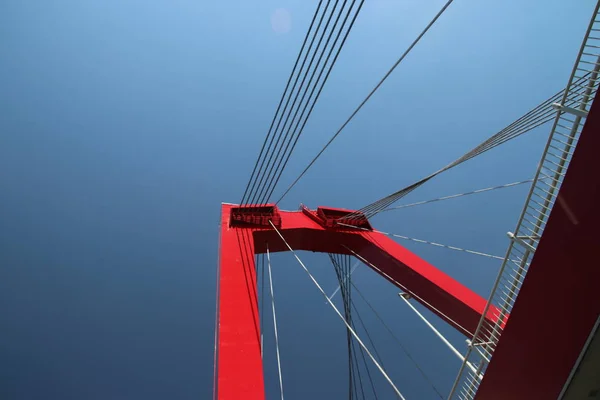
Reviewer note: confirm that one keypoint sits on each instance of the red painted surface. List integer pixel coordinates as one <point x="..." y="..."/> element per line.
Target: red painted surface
<point x="240" y="374"/>
<point x="559" y="302"/>
<point x="239" y="369"/>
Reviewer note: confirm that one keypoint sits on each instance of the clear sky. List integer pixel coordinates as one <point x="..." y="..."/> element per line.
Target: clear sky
<point x="124" y="125"/>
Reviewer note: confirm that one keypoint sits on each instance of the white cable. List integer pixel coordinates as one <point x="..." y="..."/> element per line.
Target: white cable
<point x="275" y="323"/>
<point x="396" y="339"/>
<point x="388" y="73"/>
<point x="401" y="286"/>
<point x="477" y="253"/>
<point x="338" y="288"/>
<point x="438" y="334"/>
<point x="340" y="315"/>
<point x="455" y="196"/>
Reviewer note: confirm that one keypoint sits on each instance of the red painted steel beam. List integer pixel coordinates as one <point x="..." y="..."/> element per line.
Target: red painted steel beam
<point x="239" y="368"/>
<point x="558" y="303"/>
<point x="243" y="235"/>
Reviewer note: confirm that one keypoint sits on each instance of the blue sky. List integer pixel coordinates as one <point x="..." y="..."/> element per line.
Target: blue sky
<point x="125" y="124"/>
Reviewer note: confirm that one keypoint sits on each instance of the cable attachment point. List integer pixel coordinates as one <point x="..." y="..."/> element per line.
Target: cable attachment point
<point x="255" y="216"/>
<point x="330" y="218"/>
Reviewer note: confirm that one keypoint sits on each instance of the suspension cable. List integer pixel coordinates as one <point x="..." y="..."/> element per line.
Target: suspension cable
<point x="349" y="273"/>
<point x="540" y="115"/>
<point x="288" y="125"/>
<point x="401" y="286"/>
<point x="372" y="345"/>
<point x="360" y="381"/>
<point x="413" y="44"/>
<point x="373" y="208"/>
<point x="364" y="361"/>
<point x="341" y="272"/>
<point x="342" y="265"/>
<point x="281" y="102"/>
<point x="406" y="352"/>
<point x="296" y="133"/>
<point x="438" y="333"/>
<point x="306" y="88"/>
<point x="477" y="253"/>
<point x="338" y="313"/>
<point x="456" y="195"/>
<point x="275" y="323"/>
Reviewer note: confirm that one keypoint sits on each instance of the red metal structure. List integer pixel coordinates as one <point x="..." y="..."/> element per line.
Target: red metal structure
<point x="245" y="231"/>
<point x="556" y="309"/>
<point x="542" y="311"/>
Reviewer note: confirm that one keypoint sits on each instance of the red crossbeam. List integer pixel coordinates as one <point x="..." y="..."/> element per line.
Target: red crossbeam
<point x="244" y="234"/>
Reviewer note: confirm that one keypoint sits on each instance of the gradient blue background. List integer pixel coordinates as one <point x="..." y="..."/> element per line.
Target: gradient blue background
<point x="125" y="124"/>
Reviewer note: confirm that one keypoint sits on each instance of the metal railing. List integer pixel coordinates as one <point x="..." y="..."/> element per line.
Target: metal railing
<point x="571" y="113"/>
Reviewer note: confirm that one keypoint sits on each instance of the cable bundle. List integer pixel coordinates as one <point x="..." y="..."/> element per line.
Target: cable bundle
<point x="309" y="75"/>
<point x="540" y="115"/>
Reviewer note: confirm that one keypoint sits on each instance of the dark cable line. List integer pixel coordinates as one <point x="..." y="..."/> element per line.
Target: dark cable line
<point x="458" y="195"/>
<point x="350" y="304"/>
<point x="282" y="97"/>
<point x="260" y="179"/>
<point x="410" y="188"/>
<point x="367" y="333"/>
<point x="540" y="115"/>
<point x="367" y="98"/>
<point x="306" y="88"/>
<point x="342" y="265"/>
<point x="354" y="393"/>
<point x="271" y="168"/>
<point x="349" y="338"/>
<point x="291" y="94"/>
<point x="385" y="202"/>
<point x="287" y="158"/>
<point x="363" y="354"/>
<point x="340" y="271"/>
<point x="347" y="301"/>
<point x="360" y="382"/>
<point x="402" y="347"/>
<point x="375" y="207"/>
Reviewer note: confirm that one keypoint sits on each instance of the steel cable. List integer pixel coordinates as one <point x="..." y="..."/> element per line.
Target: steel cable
<point x="286" y="127"/>
<point x="290" y="135"/>
<point x="280" y="103"/>
<point x="540" y="115"/>
<point x="339" y="314"/>
<point x="270" y="162"/>
<point x="360" y="106"/>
